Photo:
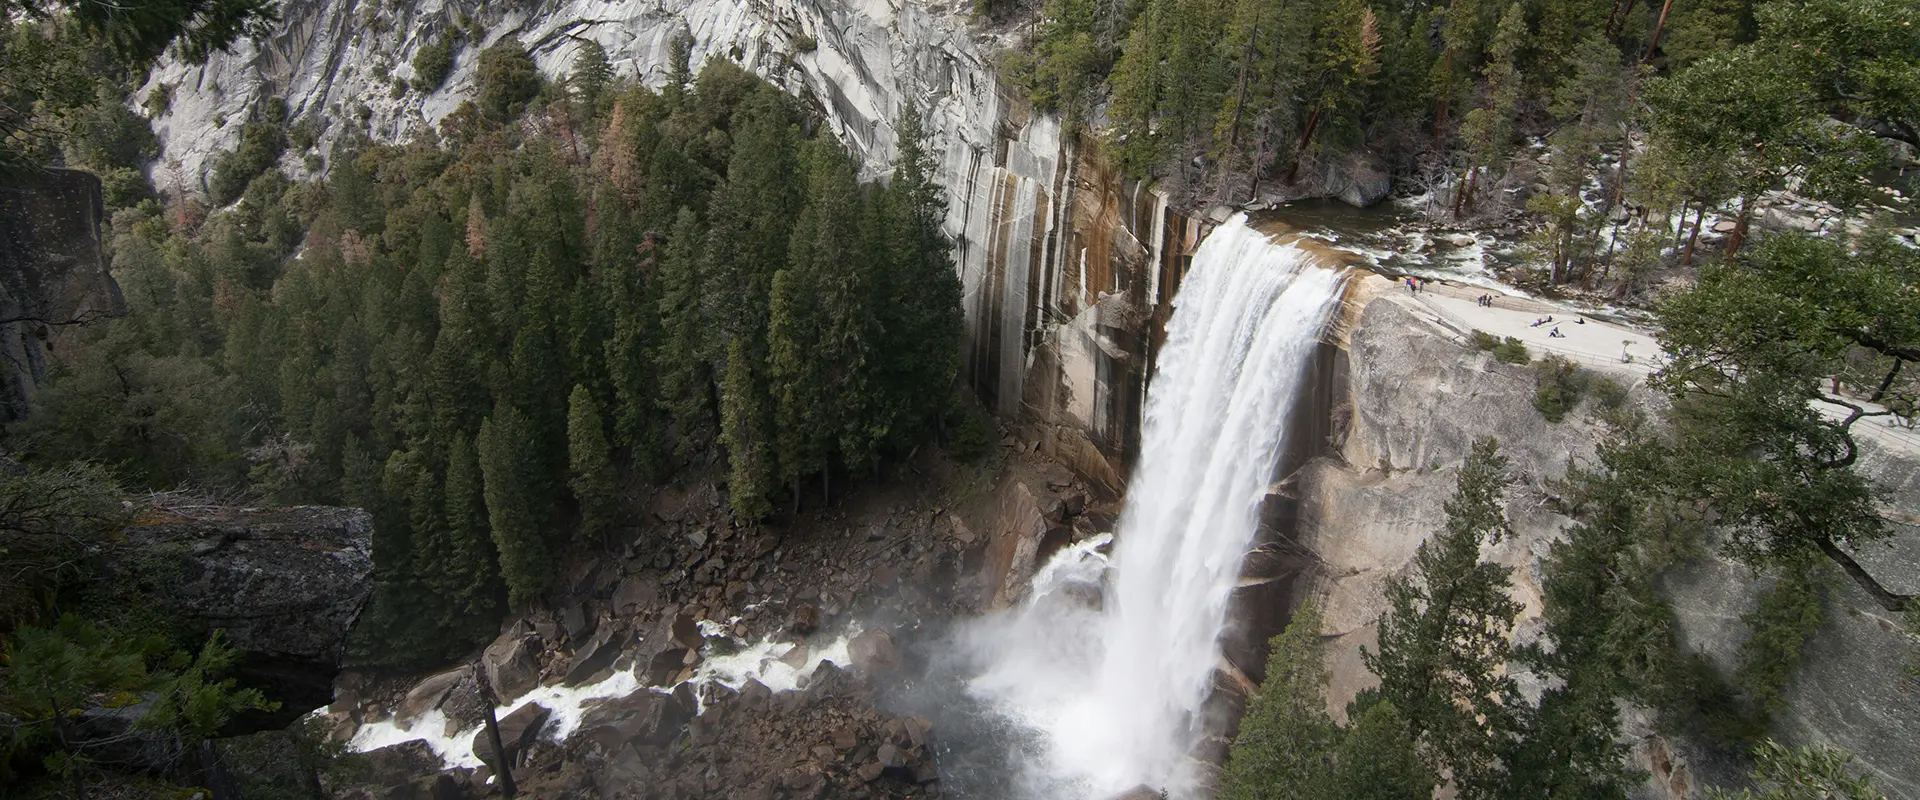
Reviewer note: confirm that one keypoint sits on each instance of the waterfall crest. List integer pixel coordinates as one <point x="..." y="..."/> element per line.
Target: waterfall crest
<point x="1111" y="693"/>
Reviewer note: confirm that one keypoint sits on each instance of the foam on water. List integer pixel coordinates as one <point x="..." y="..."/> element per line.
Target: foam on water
<point x="760" y="661"/>
<point x="1109" y="660"/>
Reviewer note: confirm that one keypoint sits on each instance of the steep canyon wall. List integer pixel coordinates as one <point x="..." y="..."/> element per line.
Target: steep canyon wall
<point x="1067" y="267"/>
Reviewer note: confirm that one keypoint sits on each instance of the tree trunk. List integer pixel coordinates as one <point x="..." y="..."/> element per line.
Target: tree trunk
<point x="503" y="771"/>
<point x="1300" y="153"/>
<point x="1239" y="107"/>
<point x="1654" y="44"/>
<point x="1687" y="259"/>
<point x="1446" y="92"/>
<point x="1739" y="235"/>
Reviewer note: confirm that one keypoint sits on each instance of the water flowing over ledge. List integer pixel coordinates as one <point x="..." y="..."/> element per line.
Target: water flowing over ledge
<point x="1113" y="688"/>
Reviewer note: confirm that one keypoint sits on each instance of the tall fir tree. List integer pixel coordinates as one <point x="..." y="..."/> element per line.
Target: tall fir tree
<point x="512" y="472"/>
<point x="746" y="430"/>
<point x="1444" y="639"/>
<point x="590" y="473"/>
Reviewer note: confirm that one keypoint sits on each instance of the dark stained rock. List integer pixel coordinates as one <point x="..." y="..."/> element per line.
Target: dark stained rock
<point x="1141" y="792"/>
<point x="645" y="717"/>
<point x="873" y="650"/>
<point x="521" y="729"/>
<point x="513" y="662"/>
<point x="52" y="276"/>
<point x="635" y="593"/>
<point x="286" y="586"/>
<point x="594" y="656"/>
<point x="429" y="694"/>
<point x="578" y="620"/>
<point x="686" y="631"/>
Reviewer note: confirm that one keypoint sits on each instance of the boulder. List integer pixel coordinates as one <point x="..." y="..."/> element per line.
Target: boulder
<point x="1141" y="792"/>
<point x="686" y="631"/>
<point x="636" y="593"/>
<point x="596" y="655"/>
<point x="1356" y="180"/>
<point x="873" y="651"/>
<point x="286" y="586"/>
<point x="1013" y="544"/>
<point x="519" y="730"/>
<point x="646" y="717"/>
<point x="429" y="694"/>
<point x="51" y="274"/>
<point x="578" y="621"/>
<point x="513" y="663"/>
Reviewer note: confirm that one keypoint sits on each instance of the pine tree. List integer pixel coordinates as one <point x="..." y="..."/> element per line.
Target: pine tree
<point x="686" y="376"/>
<point x="472" y="572"/>
<point x="1285" y="736"/>
<point x="1443" y="642"/>
<point x="513" y="476"/>
<point x="591" y="74"/>
<point x="924" y="326"/>
<point x="1377" y="760"/>
<point x="745" y="428"/>
<point x="590" y="466"/>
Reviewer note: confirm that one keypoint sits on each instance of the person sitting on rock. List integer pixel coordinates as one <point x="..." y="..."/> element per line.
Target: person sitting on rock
<point x="1556" y="334"/>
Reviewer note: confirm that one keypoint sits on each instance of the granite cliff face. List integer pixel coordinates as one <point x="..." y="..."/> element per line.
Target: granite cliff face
<point x="52" y="276"/>
<point x="284" y="585"/>
<point x="1066" y="266"/>
<point x="1414" y="398"/>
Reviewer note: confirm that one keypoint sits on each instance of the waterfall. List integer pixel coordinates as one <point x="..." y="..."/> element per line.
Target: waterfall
<point x="1106" y="665"/>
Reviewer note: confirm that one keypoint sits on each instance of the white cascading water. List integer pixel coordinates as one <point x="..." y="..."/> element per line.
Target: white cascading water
<point x="1112" y="691"/>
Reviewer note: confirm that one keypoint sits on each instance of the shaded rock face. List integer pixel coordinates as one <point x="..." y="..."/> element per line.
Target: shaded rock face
<point x="1067" y="267"/>
<point x="1413" y="401"/>
<point x="286" y="586"/>
<point x="51" y="274"/>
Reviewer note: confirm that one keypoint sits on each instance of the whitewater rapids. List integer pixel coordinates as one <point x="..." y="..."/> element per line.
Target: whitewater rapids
<point x="1112" y="693"/>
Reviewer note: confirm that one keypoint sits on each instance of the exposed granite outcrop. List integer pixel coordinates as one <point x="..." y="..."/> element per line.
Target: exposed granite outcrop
<point x="285" y="585"/>
<point x="1416" y="398"/>
<point x="52" y="276"/>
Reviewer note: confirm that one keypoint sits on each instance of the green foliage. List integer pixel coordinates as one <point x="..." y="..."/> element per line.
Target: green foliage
<point x="1751" y="347"/>
<point x="1443" y="639"/>
<point x="53" y="675"/>
<point x="1509" y="351"/>
<point x="746" y="430"/>
<point x="1286" y="737"/>
<point x="1377" y="760"/>
<point x="514" y="494"/>
<point x="507" y="79"/>
<point x="261" y="144"/>
<point x="432" y="63"/>
<point x="1802" y="773"/>
<point x="804" y="43"/>
<point x="590" y="465"/>
<point x="1607" y="393"/>
<point x="1788" y="614"/>
<point x="452" y="288"/>
<point x="591" y="73"/>
<point x="1560" y="385"/>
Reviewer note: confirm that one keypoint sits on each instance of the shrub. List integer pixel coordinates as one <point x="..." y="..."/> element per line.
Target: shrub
<point x="1510" y="351"/>
<point x="1609" y="393"/>
<point x="973" y="432"/>
<point x="1561" y="384"/>
<point x="507" y="78"/>
<point x="260" y="147"/>
<point x="803" y="43"/>
<point x="432" y="64"/>
<point x="159" y="100"/>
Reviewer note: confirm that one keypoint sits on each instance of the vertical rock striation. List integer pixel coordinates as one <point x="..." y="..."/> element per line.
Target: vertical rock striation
<point x="1066" y="266"/>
